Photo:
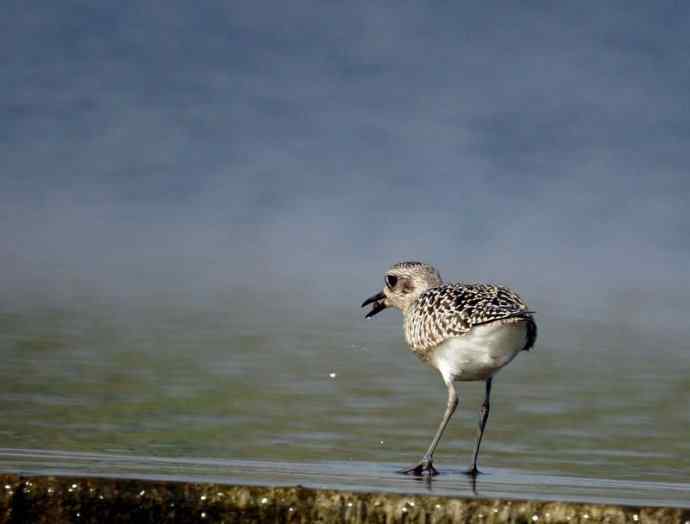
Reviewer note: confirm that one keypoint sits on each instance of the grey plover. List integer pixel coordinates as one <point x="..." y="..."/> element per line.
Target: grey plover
<point x="466" y="331"/>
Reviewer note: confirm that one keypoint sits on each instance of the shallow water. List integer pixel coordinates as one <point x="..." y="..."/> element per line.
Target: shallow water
<point x="287" y="390"/>
<point x="494" y="483"/>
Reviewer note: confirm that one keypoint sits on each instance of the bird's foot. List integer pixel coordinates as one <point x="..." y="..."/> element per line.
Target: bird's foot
<point x="472" y="472"/>
<point x="424" y="469"/>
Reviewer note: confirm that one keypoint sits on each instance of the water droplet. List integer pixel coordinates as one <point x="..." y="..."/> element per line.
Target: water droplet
<point x="332" y="375"/>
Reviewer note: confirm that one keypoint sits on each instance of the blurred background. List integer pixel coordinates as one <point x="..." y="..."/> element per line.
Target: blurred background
<point x="194" y="200"/>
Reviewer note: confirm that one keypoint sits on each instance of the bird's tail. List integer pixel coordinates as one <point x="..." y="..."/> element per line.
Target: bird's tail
<point x="531" y="332"/>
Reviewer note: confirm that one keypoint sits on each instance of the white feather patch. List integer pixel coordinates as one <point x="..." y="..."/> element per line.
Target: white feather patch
<point x="481" y="352"/>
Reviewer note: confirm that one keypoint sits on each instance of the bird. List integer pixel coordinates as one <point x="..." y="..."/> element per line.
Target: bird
<point x="467" y="331"/>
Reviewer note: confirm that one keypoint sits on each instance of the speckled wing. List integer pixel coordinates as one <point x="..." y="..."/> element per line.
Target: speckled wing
<point x="454" y="309"/>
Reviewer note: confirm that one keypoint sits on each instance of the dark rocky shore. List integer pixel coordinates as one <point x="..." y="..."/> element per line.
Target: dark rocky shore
<point x="49" y="499"/>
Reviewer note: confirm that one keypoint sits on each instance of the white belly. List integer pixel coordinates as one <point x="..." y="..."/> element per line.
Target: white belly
<point x="480" y="353"/>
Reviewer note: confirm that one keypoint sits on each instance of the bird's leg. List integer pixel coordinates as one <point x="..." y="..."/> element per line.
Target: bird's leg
<point x="426" y="467"/>
<point x="483" y="416"/>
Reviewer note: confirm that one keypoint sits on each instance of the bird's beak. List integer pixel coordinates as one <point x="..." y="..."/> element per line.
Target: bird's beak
<point x="379" y="301"/>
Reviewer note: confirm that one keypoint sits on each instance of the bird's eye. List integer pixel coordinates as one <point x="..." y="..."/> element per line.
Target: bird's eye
<point x="391" y="280"/>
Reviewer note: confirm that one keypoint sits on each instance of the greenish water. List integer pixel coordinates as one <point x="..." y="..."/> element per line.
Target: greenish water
<point x="244" y="381"/>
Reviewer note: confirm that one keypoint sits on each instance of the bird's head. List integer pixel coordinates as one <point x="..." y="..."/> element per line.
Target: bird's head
<point x="404" y="283"/>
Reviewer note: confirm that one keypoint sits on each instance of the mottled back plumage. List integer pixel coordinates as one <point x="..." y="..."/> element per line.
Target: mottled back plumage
<point x="454" y="309"/>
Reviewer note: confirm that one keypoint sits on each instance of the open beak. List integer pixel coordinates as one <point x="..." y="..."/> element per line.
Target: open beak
<point x="379" y="301"/>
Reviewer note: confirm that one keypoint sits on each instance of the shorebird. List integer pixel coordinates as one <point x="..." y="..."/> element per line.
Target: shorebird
<point x="466" y="331"/>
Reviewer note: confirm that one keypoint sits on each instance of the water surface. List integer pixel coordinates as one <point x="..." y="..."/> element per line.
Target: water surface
<point x="321" y="389"/>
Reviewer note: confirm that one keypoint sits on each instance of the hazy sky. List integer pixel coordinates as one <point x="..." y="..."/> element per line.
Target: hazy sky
<point x="193" y="147"/>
